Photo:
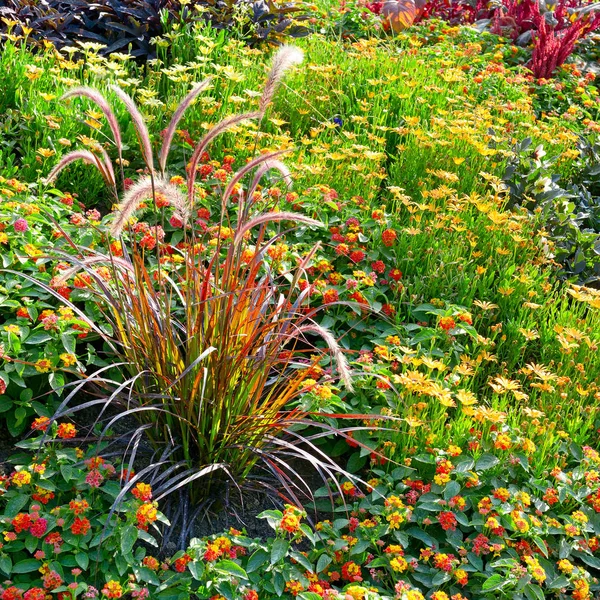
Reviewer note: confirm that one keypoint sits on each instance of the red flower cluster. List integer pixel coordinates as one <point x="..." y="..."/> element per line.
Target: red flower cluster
<point x="181" y="563"/>
<point x="351" y="571"/>
<point x="80" y="526"/>
<point x="447" y="520"/>
<point x="143" y="492"/>
<point x="388" y="237"/>
<point x="290" y="522"/>
<point x="36" y="526"/>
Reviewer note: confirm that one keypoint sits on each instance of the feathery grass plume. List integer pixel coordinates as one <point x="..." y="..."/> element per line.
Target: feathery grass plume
<point x="140" y="125"/>
<point x="247" y="168"/>
<point x="203" y="144"/>
<point x="110" y="171"/>
<point x="138" y="192"/>
<point x="102" y="103"/>
<point x="286" y="57"/>
<point x="170" y="131"/>
<point x="87" y="157"/>
<point x="271" y="165"/>
<point x="273" y="216"/>
<point x="334" y="347"/>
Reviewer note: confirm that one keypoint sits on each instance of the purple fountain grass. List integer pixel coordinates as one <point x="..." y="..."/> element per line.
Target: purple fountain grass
<point x="210" y="352"/>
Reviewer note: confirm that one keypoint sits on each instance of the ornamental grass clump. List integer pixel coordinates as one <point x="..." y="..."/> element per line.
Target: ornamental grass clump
<point x="213" y="335"/>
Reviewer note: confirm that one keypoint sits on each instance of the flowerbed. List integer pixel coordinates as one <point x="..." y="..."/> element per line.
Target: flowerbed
<point x="472" y="456"/>
<point x="452" y="523"/>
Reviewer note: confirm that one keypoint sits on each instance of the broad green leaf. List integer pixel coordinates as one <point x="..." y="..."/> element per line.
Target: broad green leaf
<point x="452" y="489"/>
<point x="441" y="578"/>
<point x="196" y="569"/>
<point x="540" y="544"/>
<point x="302" y="560"/>
<point x="31" y="544"/>
<point x="231" y="568"/>
<point x="279" y="550"/>
<point x="146" y="537"/>
<point x="486" y="461"/>
<point x="67" y="472"/>
<point x="83" y="560"/>
<point x="39" y="337"/>
<point x="128" y="538"/>
<point x="257" y="560"/>
<point x="495" y="582"/>
<point x="5" y="565"/>
<point x="68" y="342"/>
<point x="533" y="592"/>
<point x="15" y="504"/>
<point x="419" y="534"/>
<point x="323" y="562"/>
<point x="475" y="560"/>
<point x="5" y="401"/>
<point x="278" y="583"/>
<point x="27" y="566"/>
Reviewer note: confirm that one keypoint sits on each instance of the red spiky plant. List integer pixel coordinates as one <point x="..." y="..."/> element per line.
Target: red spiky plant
<point x="552" y="44"/>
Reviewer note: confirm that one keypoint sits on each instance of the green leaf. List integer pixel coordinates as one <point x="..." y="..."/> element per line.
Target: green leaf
<point x="82" y="560"/>
<point x="559" y="582"/>
<point x="486" y="461"/>
<point x="226" y="589"/>
<point x="31" y="544"/>
<point x="464" y="464"/>
<point x="455" y="538"/>
<point x="356" y="462"/>
<point x="196" y="569"/>
<point x="452" y="489"/>
<point x="68" y="560"/>
<point x="26" y="395"/>
<point x="128" y="538"/>
<point x="20" y="415"/>
<point x="257" y="560"/>
<point x="121" y="564"/>
<point x="27" y="566"/>
<point x="5" y="403"/>
<point x="379" y="562"/>
<point x="302" y="560"/>
<point x="6" y="565"/>
<point x="441" y="578"/>
<point x="146" y="537"/>
<point x="540" y="544"/>
<point x="68" y="342"/>
<point x="38" y="338"/>
<point x="15" y="504"/>
<point x="422" y="536"/>
<point x="67" y="472"/>
<point x="56" y="380"/>
<point x="475" y="560"/>
<point x="495" y="582"/>
<point x="231" y="568"/>
<point x="308" y="533"/>
<point x="533" y="592"/>
<point x="323" y="562"/>
<point x="592" y="561"/>
<point x="279" y="550"/>
<point x="278" y="583"/>
<point x="171" y="595"/>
